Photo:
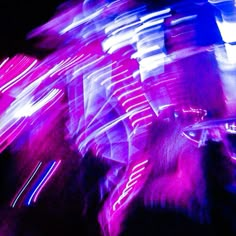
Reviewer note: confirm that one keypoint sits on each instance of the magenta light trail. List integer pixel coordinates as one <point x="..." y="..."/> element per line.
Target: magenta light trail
<point x="4" y="62"/>
<point x="141" y="119"/>
<point x="13" y="68"/>
<point x="139" y="89"/>
<point x="145" y="108"/>
<point x="14" y="81"/>
<point x="41" y="182"/>
<point x="132" y="180"/>
<point x="133" y="98"/>
<point x="51" y="171"/>
<point x="124" y="87"/>
<point x="136" y="105"/>
<point x="69" y="64"/>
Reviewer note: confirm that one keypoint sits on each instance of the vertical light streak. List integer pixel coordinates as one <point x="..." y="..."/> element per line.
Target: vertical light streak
<point x="46" y="180"/>
<point x="41" y="182"/>
<point x="13" y="203"/>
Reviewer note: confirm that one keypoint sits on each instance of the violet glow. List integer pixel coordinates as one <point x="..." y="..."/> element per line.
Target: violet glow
<point x="129" y="186"/>
<point x="115" y="78"/>
<point x="44" y="178"/>
<point x="47" y="177"/>
<point x="12" y="82"/>
<point x="132" y="180"/>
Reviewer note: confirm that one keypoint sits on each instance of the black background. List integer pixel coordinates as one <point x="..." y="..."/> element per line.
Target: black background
<point x="17" y="18"/>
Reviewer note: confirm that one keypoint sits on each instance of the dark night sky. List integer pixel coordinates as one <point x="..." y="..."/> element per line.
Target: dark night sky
<point x="17" y="19"/>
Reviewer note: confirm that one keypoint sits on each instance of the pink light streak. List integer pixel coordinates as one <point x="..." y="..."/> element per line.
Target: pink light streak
<point x="46" y="179"/>
<point x="132" y="180"/>
<point x="114" y="209"/>
<point x="139" y="89"/>
<point x="6" y="86"/>
<point x="123" y="87"/>
<point x="5" y="61"/>
<point x="143" y="118"/>
<point x="133" y="98"/>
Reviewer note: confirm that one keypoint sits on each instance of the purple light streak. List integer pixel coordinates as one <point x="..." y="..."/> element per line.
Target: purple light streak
<point x="47" y="177"/>
<point x="43" y="182"/>
<point x="24" y="186"/>
<point x="116" y="76"/>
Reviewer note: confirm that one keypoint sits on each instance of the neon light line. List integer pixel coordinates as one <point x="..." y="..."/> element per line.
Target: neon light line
<point x="87" y="65"/>
<point x="132" y="181"/>
<point x="142" y="163"/>
<point x="4" y="62"/>
<point x="26" y="184"/>
<point x="123" y="88"/>
<point x="14" y="81"/>
<point x="139" y="111"/>
<point x="195" y="141"/>
<point x="132" y="98"/>
<point x="36" y="189"/>
<point x="155" y="14"/>
<point x="135" y="105"/>
<point x="140" y="119"/>
<point x="129" y="92"/>
<point x="119" y="81"/>
<point x="46" y="180"/>
<point x="114" y="76"/>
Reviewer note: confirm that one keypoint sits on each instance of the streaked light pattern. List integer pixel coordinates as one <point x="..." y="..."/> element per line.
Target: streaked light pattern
<point x="124" y="81"/>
